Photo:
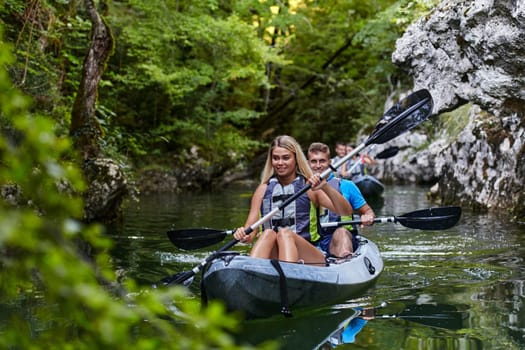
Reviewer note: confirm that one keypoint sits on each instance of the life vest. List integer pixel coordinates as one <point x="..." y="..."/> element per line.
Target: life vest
<point x="296" y="215"/>
<point x="320" y="215"/>
<point x="325" y="215"/>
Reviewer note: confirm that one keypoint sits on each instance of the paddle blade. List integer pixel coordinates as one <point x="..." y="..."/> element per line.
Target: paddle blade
<point x="439" y="218"/>
<point x="387" y="153"/>
<point x="402" y="117"/>
<point x="195" y="238"/>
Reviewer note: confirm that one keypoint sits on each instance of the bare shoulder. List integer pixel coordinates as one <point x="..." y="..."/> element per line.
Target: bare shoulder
<point x="259" y="192"/>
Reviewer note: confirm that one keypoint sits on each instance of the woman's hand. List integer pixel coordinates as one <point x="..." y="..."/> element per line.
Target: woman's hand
<point x="241" y="235"/>
<point x="316" y="182"/>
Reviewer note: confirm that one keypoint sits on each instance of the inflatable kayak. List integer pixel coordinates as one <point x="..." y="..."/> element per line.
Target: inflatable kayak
<point x="369" y="186"/>
<point x="263" y="287"/>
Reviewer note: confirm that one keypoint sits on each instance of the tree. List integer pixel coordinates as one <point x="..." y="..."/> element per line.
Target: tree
<point x="85" y="128"/>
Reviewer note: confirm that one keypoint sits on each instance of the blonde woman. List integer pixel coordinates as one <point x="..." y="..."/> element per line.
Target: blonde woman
<point x="287" y="235"/>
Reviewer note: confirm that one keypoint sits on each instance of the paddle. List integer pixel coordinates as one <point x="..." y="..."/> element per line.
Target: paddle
<point x="402" y="117"/>
<point x="439" y="218"/>
<point x="196" y="238"/>
<point x="387" y="153"/>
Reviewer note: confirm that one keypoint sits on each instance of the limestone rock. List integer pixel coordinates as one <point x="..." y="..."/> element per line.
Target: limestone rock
<point x="107" y="188"/>
<point x="471" y="52"/>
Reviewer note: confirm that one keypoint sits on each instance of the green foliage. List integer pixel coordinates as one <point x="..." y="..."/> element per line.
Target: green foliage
<point x="189" y="77"/>
<point x="70" y="294"/>
<point x="349" y="92"/>
<point x="185" y="73"/>
<point x="454" y="122"/>
<point x="50" y="41"/>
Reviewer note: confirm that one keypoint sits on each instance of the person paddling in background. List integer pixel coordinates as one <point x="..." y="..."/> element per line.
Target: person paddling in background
<point x="287" y="235"/>
<point x="340" y="152"/>
<point x="340" y="242"/>
<point x="357" y="165"/>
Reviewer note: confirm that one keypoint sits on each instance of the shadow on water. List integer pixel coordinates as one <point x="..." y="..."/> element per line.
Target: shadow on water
<point x="476" y="267"/>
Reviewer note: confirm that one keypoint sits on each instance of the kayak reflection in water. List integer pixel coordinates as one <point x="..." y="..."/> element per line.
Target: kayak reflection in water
<point x="347" y="334"/>
<point x="432" y="315"/>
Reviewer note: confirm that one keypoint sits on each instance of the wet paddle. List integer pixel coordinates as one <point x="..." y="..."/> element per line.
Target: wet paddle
<point x="402" y="117"/>
<point x="387" y="153"/>
<point x="438" y="218"/>
<point x="196" y="238"/>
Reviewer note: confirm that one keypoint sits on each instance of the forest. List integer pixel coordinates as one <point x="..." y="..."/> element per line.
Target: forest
<point x="161" y="84"/>
<point x="208" y="84"/>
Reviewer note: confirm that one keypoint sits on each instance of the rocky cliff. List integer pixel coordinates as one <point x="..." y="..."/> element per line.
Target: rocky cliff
<point x="471" y="56"/>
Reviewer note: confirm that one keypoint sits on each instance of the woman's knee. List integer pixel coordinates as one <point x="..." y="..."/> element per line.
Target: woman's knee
<point x="268" y="234"/>
<point x="285" y="234"/>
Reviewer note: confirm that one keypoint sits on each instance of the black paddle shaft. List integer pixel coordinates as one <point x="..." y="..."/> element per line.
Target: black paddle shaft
<point x="438" y="218"/>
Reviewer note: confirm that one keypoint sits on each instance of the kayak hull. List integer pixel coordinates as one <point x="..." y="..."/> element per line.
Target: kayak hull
<point x="254" y="286"/>
<point x="369" y="186"/>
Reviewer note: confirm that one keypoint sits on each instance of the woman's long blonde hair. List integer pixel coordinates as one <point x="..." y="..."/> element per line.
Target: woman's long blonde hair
<point x="289" y="143"/>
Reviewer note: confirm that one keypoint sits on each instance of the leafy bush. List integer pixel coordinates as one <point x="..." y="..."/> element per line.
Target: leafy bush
<point x="58" y="287"/>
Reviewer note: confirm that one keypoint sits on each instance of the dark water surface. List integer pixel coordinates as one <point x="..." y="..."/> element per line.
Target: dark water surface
<point x="462" y="288"/>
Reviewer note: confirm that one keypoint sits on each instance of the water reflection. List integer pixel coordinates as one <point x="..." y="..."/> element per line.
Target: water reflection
<point x="477" y="267"/>
<point x="431" y="315"/>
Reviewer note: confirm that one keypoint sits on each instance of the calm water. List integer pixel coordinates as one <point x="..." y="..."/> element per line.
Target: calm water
<point x="465" y="285"/>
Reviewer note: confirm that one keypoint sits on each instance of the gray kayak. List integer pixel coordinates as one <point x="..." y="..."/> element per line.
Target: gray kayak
<point x="262" y="287"/>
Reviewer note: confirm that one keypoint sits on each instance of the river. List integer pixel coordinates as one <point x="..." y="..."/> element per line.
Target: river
<point x="461" y="288"/>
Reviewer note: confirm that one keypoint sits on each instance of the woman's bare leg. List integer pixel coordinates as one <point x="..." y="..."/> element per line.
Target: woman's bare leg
<point x="266" y="246"/>
<point x="287" y="246"/>
<point x="293" y="248"/>
<point x="308" y="252"/>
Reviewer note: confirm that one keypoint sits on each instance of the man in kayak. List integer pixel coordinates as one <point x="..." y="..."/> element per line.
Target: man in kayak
<point x="287" y="235"/>
<point x="339" y="242"/>
<point x="340" y="152"/>
<point x="357" y="165"/>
